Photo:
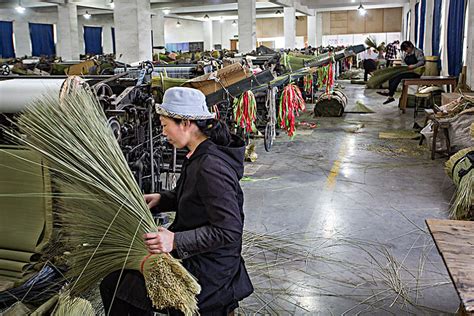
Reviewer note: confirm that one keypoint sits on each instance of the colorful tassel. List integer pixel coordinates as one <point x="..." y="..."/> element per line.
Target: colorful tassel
<point x="291" y="102"/>
<point x="245" y="111"/>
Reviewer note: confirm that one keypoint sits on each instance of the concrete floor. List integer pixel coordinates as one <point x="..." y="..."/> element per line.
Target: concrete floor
<point x="367" y="198"/>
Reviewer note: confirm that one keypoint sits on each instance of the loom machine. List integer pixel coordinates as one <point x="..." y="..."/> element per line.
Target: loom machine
<point x="128" y="104"/>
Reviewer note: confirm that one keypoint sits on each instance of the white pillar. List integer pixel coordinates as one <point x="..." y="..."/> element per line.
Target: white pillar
<point x="312" y="30"/>
<point x="319" y="29"/>
<point x="22" y="37"/>
<point x="158" y="26"/>
<point x="133" y="30"/>
<point x="428" y="47"/>
<point x="412" y="22"/>
<point x="247" y="26"/>
<point x="289" y="27"/>
<point x="207" y="31"/>
<point x="470" y="46"/>
<point x="68" y="33"/>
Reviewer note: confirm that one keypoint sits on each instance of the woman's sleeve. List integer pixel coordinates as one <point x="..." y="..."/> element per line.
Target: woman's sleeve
<point x="168" y="201"/>
<point x="218" y="188"/>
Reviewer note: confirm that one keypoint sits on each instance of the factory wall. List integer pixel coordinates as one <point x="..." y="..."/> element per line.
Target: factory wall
<point x="222" y="33"/>
<point x="190" y="31"/>
<point x="21" y="32"/>
<point x="351" y="22"/>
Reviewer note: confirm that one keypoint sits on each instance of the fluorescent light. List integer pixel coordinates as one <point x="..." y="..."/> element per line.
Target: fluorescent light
<point x="234" y="23"/>
<point x="361" y="10"/>
<point x="206" y="17"/>
<point x="166" y="11"/>
<point x="87" y="16"/>
<point x="20" y="9"/>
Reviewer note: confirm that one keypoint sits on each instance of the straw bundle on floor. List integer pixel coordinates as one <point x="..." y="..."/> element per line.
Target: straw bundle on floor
<point x="460" y="168"/>
<point x="101" y="211"/>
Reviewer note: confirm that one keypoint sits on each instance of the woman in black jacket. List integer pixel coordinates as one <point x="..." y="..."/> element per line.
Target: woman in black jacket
<point x="208" y="200"/>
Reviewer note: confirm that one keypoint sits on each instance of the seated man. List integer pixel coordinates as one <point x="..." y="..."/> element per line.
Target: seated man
<point x="413" y="58"/>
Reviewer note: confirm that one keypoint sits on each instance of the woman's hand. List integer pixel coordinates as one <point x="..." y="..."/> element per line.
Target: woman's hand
<point x="152" y="200"/>
<point x="411" y="67"/>
<point x="160" y="242"/>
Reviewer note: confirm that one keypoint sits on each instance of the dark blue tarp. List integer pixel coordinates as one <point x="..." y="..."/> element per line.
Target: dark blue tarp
<point x="6" y="40"/>
<point x="456" y="17"/>
<point x="42" y="39"/>
<point x="93" y="40"/>
<point x="113" y="40"/>
<point x="421" y="41"/>
<point x="417" y="22"/>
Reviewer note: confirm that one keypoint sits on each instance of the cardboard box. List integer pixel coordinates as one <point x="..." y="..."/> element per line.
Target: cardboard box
<point x="215" y="81"/>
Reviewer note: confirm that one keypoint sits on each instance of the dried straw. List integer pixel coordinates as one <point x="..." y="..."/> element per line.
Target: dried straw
<point x="72" y="306"/>
<point x="102" y="213"/>
<point x="459" y="169"/>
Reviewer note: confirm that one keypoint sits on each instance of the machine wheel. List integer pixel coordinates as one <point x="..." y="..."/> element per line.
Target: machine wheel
<point x="268" y="137"/>
<point x="5" y="70"/>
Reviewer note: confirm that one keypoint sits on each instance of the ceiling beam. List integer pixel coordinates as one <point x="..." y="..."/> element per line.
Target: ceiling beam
<point x="297" y="4"/>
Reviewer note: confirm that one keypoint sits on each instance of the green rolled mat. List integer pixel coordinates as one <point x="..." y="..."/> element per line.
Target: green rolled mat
<point x="16" y="266"/>
<point x="18" y="255"/>
<point x="25" y="200"/>
<point x="165" y="82"/>
<point x="58" y="69"/>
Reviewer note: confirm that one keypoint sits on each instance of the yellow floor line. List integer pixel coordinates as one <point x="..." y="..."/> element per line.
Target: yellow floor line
<point x="331" y="180"/>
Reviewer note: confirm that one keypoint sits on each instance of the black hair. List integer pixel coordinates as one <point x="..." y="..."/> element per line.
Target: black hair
<point x="216" y="130"/>
<point x="405" y="45"/>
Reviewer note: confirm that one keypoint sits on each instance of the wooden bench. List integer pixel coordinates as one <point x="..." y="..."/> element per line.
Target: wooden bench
<point x="455" y="243"/>
<point x="450" y="82"/>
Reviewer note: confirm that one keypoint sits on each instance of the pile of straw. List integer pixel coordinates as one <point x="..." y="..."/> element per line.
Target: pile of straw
<point x="460" y="168"/>
<point x="101" y="210"/>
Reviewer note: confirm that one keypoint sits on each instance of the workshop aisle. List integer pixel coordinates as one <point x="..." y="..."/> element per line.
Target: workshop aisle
<point x="349" y="207"/>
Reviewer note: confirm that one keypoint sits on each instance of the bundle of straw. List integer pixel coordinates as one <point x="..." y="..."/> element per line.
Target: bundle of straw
<point x="381" y="75"/>
<point x="72" y="306"/>
<point x="371" y="42"/>
<point x="460" y="168"/>
<point x="101" y="209"/>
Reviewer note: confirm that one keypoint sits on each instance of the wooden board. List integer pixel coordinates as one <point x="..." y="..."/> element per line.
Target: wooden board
<point x="455" y="242"/>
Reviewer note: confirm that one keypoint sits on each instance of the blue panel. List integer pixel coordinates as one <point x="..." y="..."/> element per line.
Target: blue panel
<point x="6" y="40"/>
<point x="42" y="39"/>
<point x="456" y="17"/>
<point x="417" y="22"/>
<point x="93" y="40"/>
<point x="422" y="24"/>
<point x="113" y="40"/>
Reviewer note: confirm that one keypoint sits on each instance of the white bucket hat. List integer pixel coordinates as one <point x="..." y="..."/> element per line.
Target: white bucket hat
<point x="184" y="103"/>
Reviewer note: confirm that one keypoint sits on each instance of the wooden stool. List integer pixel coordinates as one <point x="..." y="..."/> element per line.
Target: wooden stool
<point x="422" y="99"/>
